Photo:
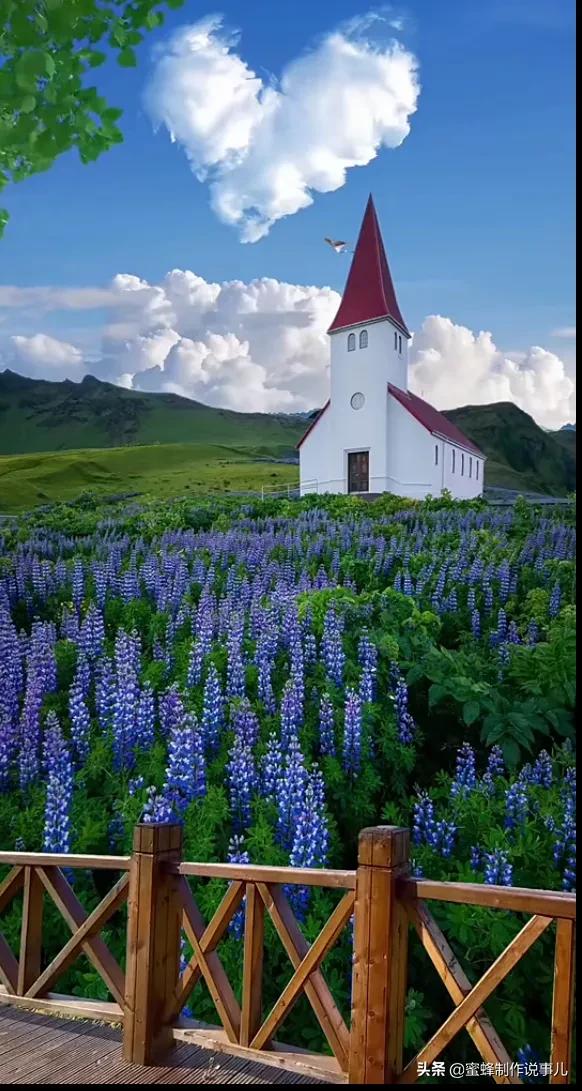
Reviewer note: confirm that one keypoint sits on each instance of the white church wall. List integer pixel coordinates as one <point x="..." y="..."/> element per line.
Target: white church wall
<point x="465" y="480"/>
<point x="316" y="457"/>
<point x="409" y="449"/>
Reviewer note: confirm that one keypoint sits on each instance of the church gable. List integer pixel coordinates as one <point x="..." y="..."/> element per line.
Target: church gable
<point x="430" y="418"/>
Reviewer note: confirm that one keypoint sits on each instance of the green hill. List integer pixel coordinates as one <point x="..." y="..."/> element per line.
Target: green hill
<point x="521" y="455"/>
<point x="160" y="470"/>
<point x="37" y="415"/>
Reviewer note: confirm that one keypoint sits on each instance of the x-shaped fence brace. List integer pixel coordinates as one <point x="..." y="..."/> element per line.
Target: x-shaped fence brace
<point x="469" y="999"/>
<point x="22" y="977"/>
<point x="305" y="959"/>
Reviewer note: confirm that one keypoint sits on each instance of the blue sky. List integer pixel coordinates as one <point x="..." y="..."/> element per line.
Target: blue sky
<point x="476" y="204"/>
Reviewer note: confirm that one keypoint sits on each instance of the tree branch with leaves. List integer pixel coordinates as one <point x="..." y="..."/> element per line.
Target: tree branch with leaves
<point x="48" y="50"/>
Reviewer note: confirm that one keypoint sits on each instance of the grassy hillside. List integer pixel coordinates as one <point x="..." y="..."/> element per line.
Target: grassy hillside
<point x="163" y="470"/>
<point x="36" y="415"/>
<point x="521" y="455"/>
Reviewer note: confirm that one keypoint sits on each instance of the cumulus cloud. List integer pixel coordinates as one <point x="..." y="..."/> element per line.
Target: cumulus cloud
<point x="266" y="148"/>
<point x="44" y="357"/>
<point x="262" y="346"/>
<point x="567" y="332"/>
<point x="451" y="365"/>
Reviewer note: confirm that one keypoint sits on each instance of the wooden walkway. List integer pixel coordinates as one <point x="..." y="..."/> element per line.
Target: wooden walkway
<point x="41" y="1049"/>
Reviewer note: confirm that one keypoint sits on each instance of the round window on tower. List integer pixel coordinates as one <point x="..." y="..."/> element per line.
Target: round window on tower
<point x="357" y="400"/>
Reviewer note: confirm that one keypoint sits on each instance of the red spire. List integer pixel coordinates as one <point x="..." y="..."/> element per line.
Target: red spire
<point x="369" y="291"/>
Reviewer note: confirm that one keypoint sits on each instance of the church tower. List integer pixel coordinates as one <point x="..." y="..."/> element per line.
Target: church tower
<point x="369" y="337"/>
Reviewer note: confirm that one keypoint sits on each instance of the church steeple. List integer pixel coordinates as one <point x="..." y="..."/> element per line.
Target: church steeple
<point x="369" y="292"/>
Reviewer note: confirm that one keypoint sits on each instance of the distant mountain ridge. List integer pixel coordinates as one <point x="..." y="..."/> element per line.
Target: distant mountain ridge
<point x="38" y="415"/>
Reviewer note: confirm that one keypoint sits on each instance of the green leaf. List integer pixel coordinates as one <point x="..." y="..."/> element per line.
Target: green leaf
<point x="436" y="694"/>
<point x="127" y="58"/>
<point x="28" y="104"/>
<point x="471" y="711"/>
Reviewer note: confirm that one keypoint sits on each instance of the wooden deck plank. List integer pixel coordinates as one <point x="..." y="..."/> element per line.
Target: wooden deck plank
<point x="36" y="1048"/>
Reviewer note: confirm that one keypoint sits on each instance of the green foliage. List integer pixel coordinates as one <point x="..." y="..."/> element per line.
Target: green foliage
<point x="48" y="48"/>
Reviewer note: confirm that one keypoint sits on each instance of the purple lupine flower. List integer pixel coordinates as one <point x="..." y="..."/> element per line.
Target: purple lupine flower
<point x="326" y="726"/>
<point x="80" y="722"/>
<point x="311" y="839"/>
<point x="465" y="778"/>
<point x="475" y="857"/>
<point x="78" y="582"/>
<point x="185" y="771"/>
<point x="332" y="651"/>
<point x="504" y="576"/>
<point x="476" y="624"/>
<point x="290" y="792"/>
<point x="145" y="718"/>
<point x="542" y="772"/>
<point x="235" y="668"/>
<point x="29" y="732"/>
<point x="404" y="721"/>
<point x="498" y="870"/>
<point x="92" y="633"/>
<point x="533" y="632"/>
<point x="291" y="711"/>
<point x="445" y="835"/>
<point x="495" y="768"/>
<point x="423" y="821"/>
<point x="237" y="854"/>
<point x="516" y="805"/>
<point x="352" y="745"/>
<point x="242" y="782"/>
<point x="498" y="637"/>
<point x="126" y="699"/>
<point x="555" y="600"/>
<point x="104" y="693"/>
<point x="212" y="710"/>
<point x="271" y="768"/>
<point x="57" y="815"/>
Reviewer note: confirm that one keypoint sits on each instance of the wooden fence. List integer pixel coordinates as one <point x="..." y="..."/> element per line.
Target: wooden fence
<point x="384" y="901"/>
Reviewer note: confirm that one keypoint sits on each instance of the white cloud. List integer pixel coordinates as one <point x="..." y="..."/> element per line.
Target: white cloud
<point x="567" y="332"/>
<point x="262" y="346"/>
<point x="451" y="365"/>
<point x="266" y="148"/>
<point x="44" y="357"/>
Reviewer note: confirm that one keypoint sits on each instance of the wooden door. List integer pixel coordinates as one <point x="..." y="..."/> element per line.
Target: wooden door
<point x="358" y="471"/>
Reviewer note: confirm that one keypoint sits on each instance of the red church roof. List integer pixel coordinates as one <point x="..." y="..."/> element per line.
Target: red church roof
<point x="431" y="419"/>
<point x="369" y="292"/>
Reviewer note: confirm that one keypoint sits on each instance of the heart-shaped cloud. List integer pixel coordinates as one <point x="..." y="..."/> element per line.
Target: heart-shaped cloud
<point x="266" y="148"/>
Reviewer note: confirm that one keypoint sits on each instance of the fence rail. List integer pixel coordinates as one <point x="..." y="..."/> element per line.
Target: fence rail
<point x="149" y="995"/>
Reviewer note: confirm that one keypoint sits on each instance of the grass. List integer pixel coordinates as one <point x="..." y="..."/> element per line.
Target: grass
<point x="160" y="470"/>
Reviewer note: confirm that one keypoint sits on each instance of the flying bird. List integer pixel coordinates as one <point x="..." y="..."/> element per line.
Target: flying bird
<point x="337" y="245"/>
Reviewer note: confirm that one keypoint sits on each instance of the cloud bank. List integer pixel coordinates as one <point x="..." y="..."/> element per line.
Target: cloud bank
<point x="262" y="346"/>
<point x="266" y="148"/>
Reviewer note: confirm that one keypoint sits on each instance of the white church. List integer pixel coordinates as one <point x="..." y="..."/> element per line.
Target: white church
<point x="373" y="435"/>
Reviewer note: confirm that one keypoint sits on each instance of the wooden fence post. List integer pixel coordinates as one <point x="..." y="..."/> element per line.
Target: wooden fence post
<point x="380" y="957"/>
<point x="153" y="942"/>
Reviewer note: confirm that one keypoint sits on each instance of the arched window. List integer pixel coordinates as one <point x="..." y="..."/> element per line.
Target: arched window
<point x="351" y="342"/>
<point x="395" y="340"/>
<point x="453" y="460"/>
<point x="477" y="468"/>
<point x="364" y="339"/>
<point x="436" y="454"/>
<point x="400" y="345"/>
<point x="470" y="467"/>
<point x="462" y="464"/>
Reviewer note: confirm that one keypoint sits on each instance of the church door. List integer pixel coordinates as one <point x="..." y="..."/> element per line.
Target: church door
<point x="358" y="471"/>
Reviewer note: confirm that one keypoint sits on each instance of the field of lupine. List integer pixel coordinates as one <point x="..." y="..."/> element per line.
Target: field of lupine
<point x="276" y="676"/>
